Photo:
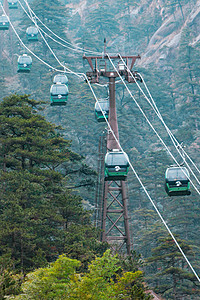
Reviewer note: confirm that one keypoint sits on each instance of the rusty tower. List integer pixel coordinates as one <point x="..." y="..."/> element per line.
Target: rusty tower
<point x="113" y="215"/>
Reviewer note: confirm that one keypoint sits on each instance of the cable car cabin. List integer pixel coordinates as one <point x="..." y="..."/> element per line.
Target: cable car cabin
<point x="4" y="22"/>
<point x="59" y="94"/>
<point x="177" y="181"/>
<point x="116" y="165"/>
<point x="62" y="78"/>
<point x="32" y="34"/>
<point x="13" y="4"/>
<point x="98" y="113"/>
<point x="24" y="63"/>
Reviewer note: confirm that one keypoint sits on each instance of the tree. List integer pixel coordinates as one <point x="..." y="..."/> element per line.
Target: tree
<point x="100" y="24"/>
<point x="51" y="14"/>
<point x="172" y="277"/>
<point x="105" y="279"/>
<point x="37" y="213"/>
<point x="10" y="283"/>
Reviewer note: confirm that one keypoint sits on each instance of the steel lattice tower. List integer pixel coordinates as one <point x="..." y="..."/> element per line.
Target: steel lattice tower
<point x="113" y="215"/>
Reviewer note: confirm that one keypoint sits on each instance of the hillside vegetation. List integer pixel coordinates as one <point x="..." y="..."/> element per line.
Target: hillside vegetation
<point x="48" y="172"/>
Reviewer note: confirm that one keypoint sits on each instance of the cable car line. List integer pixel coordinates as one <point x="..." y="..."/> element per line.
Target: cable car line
<point x="40" y="29"/>
<point x="169" y="131"/>
<point x="154" y="106"/>
<point x="124" y="152"/>
<point x="145" y="190"/>
<point x="150" y="124"/>
<point x="172" y="141"/>
<point x="83" y="75"/>
<point x="74" y="73"/>
<point x="80" y="48"/>
<point x="26" y="46"/>
<point x="177" y="145"/>
<point x="67" y="70"/>
<point x="32" y="19"/>
<point x="64" y="67"/>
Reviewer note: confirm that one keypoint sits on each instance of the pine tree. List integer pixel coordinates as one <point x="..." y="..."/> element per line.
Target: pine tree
<point x="172" y="278"/>
<point x="100" y="24"/>
<point x="37" y="212"/>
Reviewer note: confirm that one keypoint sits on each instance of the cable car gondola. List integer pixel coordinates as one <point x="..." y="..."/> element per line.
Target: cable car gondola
<point x="13" y="4"/>
<point x="177" y="182"/>
<point x="116" y="165"/>
<point x="4" y="22"/>
<point x="32" y="34"/>
<point x="59" y="94"/>
<point x="24" y="63"/>
<point x="62" y="78"/>
<point x="98" y="113"/>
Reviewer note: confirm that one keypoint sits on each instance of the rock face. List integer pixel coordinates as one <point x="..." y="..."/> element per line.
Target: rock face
<point x="164" y="43"/>
<point x="151" y="28"/>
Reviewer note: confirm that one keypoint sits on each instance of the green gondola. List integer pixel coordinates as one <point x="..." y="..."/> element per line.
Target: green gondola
<point x="24" y="63"/>
<point x="62" y="78"/>
<point x="59" y="94"/>
<point x="116" y="165"/>
<point x="177" y="182"/>
<point x="98" y="113"/>
<point x="13" y="4"/>
<point x="4" y="22"/>
<point x="32" y="34"/>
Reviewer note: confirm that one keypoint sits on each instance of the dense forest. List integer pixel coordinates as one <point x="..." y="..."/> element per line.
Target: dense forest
<point x="49" y="244"/>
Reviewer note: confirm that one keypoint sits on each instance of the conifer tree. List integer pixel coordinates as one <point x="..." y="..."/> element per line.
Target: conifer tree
<point x="173" y="278"/>
<point x="37" y="213"/>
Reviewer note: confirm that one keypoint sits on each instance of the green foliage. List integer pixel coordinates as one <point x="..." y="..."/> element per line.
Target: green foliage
<point x="36" y="197"/>
<point x="51" y="282"/>
<point x="171" y="267"/>
<point x="38" y="216"/>
<point x="9" y="282"/>
<point x="104" y="280"/>
<point x="27" y="138"/>
<point x="50" y="13"/>
<point x="99" y="24"/>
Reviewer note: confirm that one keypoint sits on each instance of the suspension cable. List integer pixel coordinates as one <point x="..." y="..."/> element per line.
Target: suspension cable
<point x="89" y="84"/>
<point x="146" y="192"/>
<point x="80" y="48"/>
<point x="56" y="41"/>
<point x="66" y="70"/>
<point x="152" y="126"/>
<point x="155" y="108"/>
<point x="40" y="29"/>
<point x="64" y="67"/>
<point x="168" y="130"/>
